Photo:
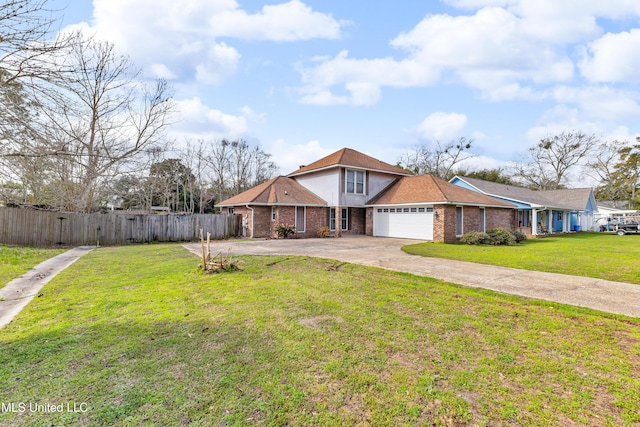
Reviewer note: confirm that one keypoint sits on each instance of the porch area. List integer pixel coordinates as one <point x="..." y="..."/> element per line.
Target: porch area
<point x="545" y="222"/>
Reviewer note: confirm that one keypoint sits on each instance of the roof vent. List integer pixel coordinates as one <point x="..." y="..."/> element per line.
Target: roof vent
<point x="301" y="166"/>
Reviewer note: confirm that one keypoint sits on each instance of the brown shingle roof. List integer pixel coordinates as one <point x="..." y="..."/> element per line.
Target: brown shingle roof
<point x="350" y="157"/>
<point x="576" y="198"/>
<point x="277" y="191"/>
<point x="429" y="189"/>
<point x="564" y="199"/>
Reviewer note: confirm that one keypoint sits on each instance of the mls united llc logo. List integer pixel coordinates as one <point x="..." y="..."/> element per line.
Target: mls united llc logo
<point x="21" y="407"/>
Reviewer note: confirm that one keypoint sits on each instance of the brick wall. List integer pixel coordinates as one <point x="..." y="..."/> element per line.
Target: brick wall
<point x="316" y="217"/>
<point x="356" y="221"/>
<point x="504" y="218"/>
<point x="369" y="222"/>
<point x="260" y="220"/>
<point x="444" y="225"/>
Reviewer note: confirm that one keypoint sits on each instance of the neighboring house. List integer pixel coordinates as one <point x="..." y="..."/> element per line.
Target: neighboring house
<point x="352" y="193"/>
<point x="540" y="212"/>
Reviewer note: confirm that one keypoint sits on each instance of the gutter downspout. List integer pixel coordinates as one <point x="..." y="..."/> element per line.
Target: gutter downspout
<point x="251" y="209"/>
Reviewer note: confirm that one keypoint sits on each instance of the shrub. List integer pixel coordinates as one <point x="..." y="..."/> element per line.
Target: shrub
<point x="475" y="238"/>
<point x="519" y="236"/>
<point x="501" y="236"/>
<point x="285" y="230"/>
<point x="324" y="231"/>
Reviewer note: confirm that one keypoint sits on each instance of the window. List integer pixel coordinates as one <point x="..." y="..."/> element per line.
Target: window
<point x="405" y="210"/>
<point x="355" y="182"/>
<point x="273" y="213"/>
<point x="344" y="221"/>
<point x="385" y="210"/>
<point x="392" y="210"/>
<point x="429" y="209"/>
<point x="414" y="210"/>
<point x="300" y="219"/>
<point x="559" y="216"/>
<point x="379" y="210"/>
<point x="459" y="221"/>
<point x="230" y="210"/>
<point x="420" y="209"/>
<point x="482" y="219"/>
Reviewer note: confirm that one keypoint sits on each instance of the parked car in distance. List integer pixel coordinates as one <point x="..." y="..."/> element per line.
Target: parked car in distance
<point x="627" y="228"/>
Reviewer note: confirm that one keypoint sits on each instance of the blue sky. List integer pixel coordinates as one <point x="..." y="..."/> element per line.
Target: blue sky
<point x="304" y="79"/>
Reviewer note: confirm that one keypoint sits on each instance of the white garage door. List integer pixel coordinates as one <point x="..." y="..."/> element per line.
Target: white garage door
<point x="410" y="222"/>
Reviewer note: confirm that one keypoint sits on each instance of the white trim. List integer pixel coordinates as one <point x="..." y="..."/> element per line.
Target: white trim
<point x="252" y="219"/>
<point x="341" y="217"/>
<point x="304" y="219"/>
<point x="272" y="204"/>
<point x="484" y="205"/>
<point x="461" y="221"/>
<point x="355" y="181"/>
<point x="340" y="165"/>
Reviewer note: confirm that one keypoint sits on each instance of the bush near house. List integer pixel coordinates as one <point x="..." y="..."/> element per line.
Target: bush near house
<point x="324" y="231"/>
<point x="501" y="236"/>
<point x="475" y="238"/>
<point x="495" y="237"/>
<point x="285" y="230"/>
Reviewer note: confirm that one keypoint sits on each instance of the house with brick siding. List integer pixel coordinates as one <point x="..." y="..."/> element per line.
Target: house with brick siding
<point x="541" y="212"/>
<point x="353" y="193"/>
<point x="429" y="208"/>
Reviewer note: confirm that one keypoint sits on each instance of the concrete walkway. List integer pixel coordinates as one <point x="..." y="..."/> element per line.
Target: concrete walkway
<point x="16" y="294"/>
<point x="603" y="295"/>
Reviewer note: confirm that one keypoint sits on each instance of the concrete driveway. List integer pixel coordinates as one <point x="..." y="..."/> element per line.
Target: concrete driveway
<point x="384" y="252"/>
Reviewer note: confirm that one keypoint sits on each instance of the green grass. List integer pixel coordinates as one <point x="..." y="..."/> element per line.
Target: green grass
<point x="599" y="255"/>
<point x="141" y="337"/>
<point x="16" y="260"/>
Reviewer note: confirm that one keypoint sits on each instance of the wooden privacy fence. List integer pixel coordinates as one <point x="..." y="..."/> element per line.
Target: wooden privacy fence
<point x="28" y="227"/>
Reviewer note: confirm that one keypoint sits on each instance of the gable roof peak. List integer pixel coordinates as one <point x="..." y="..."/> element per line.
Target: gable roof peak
<point x="350" y="158"/>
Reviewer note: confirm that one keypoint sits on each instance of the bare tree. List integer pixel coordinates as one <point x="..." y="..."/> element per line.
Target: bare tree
<point x="547" y="164"/>
<point x="96" y="119"/>
<point x="26" y="53"/>
<point x="218" y="160"/>
<point x="25" y="45"/>
<point x="602" y="167"/>
<point x="438" y="159"/>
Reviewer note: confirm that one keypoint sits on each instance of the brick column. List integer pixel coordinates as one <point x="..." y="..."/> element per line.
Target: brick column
<point x="338" y="232"/>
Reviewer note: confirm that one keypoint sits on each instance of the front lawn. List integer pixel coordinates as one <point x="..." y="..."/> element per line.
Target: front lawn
<point x="17" y="260"/>
<point x="136" y="336"/>
<point x="599" y="255"/>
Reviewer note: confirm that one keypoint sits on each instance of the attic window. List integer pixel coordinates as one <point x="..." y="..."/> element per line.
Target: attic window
<point x="355" y="182"/>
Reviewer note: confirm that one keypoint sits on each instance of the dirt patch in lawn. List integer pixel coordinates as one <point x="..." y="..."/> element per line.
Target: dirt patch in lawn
<point x="321" y="322"/>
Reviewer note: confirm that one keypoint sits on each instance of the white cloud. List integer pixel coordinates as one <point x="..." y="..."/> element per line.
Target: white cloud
<point x="492" y="51"/>
<point x="361" y="78"/>
<point x="252" y="115"/>
<point x="506" y="49"/>
<point x="601" y="103"/>
<point x="162" y="71"/>
<point x="178" y="40"/>
<point x="290" y="157"/>
<point x="441" y="126"/>
<point x="283" y="22"/>
<point x="482" y="162"/>
<point x="200" y="121"/>
<point x="220" y="63"/>
<point x="613" y="58"/>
